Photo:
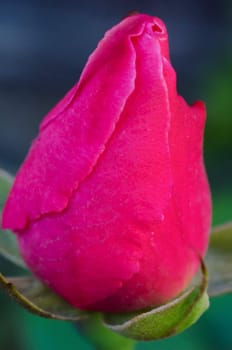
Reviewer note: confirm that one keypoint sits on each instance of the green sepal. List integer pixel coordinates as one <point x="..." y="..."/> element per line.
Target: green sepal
<point x="40" y="300"/>
<point x="9" y="248"/>
<point x="6" y="181"/>
<point x="8" y="241"/>
<point x="163" y="321"/>
<point x="219" y="260"/>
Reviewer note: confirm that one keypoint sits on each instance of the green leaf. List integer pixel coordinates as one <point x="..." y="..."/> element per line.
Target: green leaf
<point x="166" y="320"/>
<point x="219" y="260"/>
<point x="8" y="241"/>
<point x="39" y="299"/>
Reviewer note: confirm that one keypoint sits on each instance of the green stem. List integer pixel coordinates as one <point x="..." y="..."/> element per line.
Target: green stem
<point x="93" y="330"/>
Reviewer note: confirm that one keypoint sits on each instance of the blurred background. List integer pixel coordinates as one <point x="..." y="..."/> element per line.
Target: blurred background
<point x="43" y="48"/>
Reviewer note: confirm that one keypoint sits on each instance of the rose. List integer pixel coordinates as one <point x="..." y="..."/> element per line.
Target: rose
<point x="112" y="206"/>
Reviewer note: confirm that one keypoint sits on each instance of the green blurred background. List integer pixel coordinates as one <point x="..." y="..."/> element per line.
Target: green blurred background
<point x="42" y="52"/>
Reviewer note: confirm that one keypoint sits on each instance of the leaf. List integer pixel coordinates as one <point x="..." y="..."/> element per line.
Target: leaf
<point x="219" y="260"/>
<point x="166" y="320"/>
<point x="8" y="241"/>
<point x="39" y="299"/>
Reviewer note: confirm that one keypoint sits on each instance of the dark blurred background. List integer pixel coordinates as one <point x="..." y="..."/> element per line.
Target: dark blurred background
<point x="43" y="48"/>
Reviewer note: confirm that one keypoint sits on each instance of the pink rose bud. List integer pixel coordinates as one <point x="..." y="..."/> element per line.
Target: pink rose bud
<point x="112" y="206"/>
